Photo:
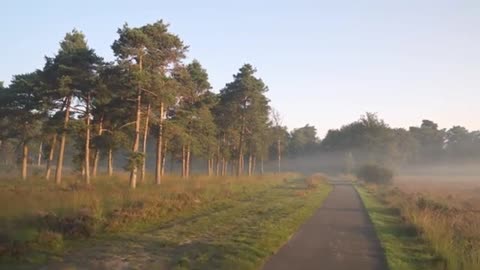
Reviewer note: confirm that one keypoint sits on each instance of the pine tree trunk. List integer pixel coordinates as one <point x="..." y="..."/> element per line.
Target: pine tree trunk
<point x="159" y="159"/>
<point x="164" y="157"/>
<point x="138" y="118"/>
<point x="39" y="158"/>
<point x="110" y="162"/>
<point x="254" y="164"/>
<point x="136" y="140"/>
<point x="50" y="157"/>
<point x="217" y="166"/>
<point x="240" y="161"/>
<point x="210" y="167"/>
<point x="63" y="139"/>
<point x="223" y="166"/>
<point x="144" y="150"/>
<point x="96" y="155"/>
<point x="87" y="141"/>
<point x="261" y="166"/>
<point x="24" y="160"/>
<point x="240" y="144"/>
<point x="187" y="168"/>
<point x="250" y="165"/>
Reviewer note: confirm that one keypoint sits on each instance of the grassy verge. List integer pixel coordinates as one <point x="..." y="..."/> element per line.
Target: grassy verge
<point x="213" y="228"/>
<point x="404" y="247"/>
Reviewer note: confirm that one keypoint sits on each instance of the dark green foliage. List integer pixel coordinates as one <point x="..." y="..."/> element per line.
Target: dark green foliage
<point x="135" y="159"/>
<point x="243" y="114"/>
<point x="376" y="174"/>
<point x="303" y="141"/>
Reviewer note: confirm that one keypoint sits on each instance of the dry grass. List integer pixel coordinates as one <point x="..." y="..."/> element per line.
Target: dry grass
<point x="315" y="180"/>
<point x="446" y="209"/>
<point x="40" y="214"/>
<point x="18" y="198"/>
<point x="459" y="191"/>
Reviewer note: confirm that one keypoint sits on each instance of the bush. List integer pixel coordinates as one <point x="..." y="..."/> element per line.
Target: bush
<point x="375" y="174"/>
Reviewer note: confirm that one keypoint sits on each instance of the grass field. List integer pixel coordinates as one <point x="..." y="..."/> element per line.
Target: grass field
<point x="404" y="247"/>
<point x="447" y="211"/>
<point x="196" y="224"/>
<point x="444" y="210"/>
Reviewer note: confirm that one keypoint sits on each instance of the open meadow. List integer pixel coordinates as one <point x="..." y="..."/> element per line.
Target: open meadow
<point x="202" y="222"/>
<point x="444" y="208"/>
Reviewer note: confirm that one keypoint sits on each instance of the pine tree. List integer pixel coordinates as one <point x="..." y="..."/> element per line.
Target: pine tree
<point x="22" y="104"/>
<point x="244" y="111"/>
<point x="147" y="52"/>
<point x="71" y="75"/>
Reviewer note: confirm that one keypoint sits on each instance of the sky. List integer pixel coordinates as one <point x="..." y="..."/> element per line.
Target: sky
<point x="325" y="62"/>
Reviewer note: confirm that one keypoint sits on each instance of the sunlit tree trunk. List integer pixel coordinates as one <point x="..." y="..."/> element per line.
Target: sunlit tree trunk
<point x="63" y="139"/>
<point x="96" y="155"/>
<point x="87" y="141"/>
<point x="239" y="162"/>
<point x="217" y="166"/>
<point x="210" y="166"/>
<point x="145" y="137"/>
<point x="187" y="165"/>
<point x="24" y="160"/>
<point x="50" y="157"/>
<point x="136" y="140"/>
<point x="138" y="118"/>
<point x="159" y="159"/>
<point x="40" y="152"/>
<point x="223" y="166"/>
<point x="183" y="161"/>
<point x="110" y="162"/>
<point x="250" y="165"/>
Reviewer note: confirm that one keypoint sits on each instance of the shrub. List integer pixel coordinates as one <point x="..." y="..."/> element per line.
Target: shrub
<point x="82" y="224"/>
<point x="375" y="174"/>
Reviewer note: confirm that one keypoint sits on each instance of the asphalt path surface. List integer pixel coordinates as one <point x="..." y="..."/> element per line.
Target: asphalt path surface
<point x="339" y="236"/>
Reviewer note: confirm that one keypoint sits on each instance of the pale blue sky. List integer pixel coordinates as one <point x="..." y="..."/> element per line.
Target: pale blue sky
<point x="325" y="62"/>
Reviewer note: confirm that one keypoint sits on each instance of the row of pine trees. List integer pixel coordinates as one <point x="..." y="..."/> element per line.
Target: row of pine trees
<point x="148" y="93"/>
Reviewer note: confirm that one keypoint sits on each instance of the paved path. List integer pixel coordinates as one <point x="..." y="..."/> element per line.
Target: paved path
<point x="339" y="236"/>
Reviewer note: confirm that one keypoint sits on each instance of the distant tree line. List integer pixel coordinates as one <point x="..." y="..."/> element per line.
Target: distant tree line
<point x="370" y="139"/>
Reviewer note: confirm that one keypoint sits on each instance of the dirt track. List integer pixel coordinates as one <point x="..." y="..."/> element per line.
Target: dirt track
<point x="339" y="236"/>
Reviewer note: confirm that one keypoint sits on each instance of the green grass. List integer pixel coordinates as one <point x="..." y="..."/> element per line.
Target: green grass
<point x="404" y="247"/>
<point x="236" y="231"/>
